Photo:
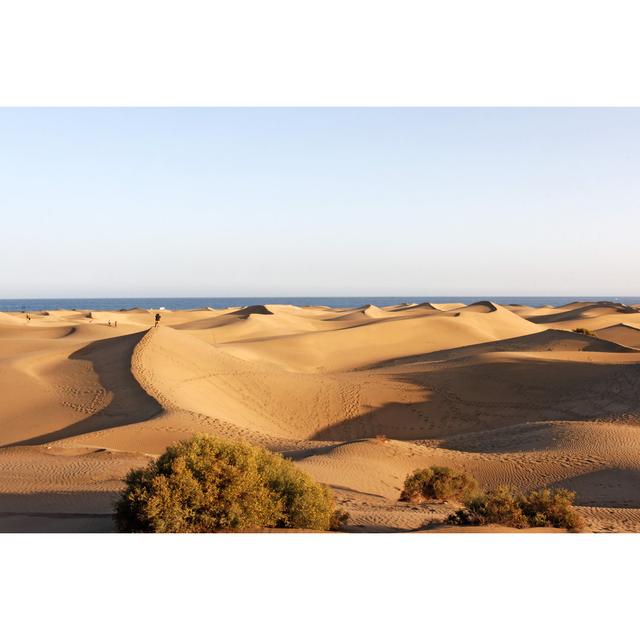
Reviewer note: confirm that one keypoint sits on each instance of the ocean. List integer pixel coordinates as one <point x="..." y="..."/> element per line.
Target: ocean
<point x="110" y="304"/>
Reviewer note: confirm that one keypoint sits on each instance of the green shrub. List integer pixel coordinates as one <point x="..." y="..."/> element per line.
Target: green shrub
<point x="437" y="483"/>
<point x="505" y="506"/>
<point x="584" y="332"/>
<point x="207" y="484"/>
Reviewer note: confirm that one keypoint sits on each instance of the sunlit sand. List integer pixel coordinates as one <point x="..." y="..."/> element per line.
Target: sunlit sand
<point x="357" y="397"/>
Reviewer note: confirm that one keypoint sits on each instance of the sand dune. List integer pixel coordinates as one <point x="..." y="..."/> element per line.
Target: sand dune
<point x="544" y="341"/>
<point x="481" y="307"/>
<point x="424" y="308"/>
<point x="623" y="333"/>
<point x="510" y="394"/>
<point x="247" y="311"/>
<point x="364" y="313"/>
<point x="582" y="312"/>
<point x="12" y="319"/>
<point x="331" y="350"/>
<point x="34" y="331"/>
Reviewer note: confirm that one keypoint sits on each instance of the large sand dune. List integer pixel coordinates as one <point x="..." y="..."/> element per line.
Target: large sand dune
<point x="510" y="394"/>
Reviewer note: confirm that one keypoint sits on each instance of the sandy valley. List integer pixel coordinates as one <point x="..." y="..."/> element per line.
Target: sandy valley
<point x="357" y="397"/>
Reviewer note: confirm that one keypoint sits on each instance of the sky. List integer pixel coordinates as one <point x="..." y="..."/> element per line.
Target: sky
<point x="325" y="202"/>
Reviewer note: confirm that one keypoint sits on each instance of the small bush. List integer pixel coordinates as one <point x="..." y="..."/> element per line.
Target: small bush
<point x="437" y="483"/>
<point x="207" y="484"/>
<point x="339" y="519"/>
<point x="551" y="508"/>
<point x="584" y="332"/>
<point x="505" y="506"/>
<point x="496" y="506"/>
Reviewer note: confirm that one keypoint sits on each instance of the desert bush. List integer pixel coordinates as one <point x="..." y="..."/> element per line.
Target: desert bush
<point x="551" y="508"/>
<point x="496" y="506"/>
<point x="584" y="332"/>
<point x="207" y="484"/>
<point x="437" y="483"/>
<point x="339" y="519"/>
<point x="505" y="506"/>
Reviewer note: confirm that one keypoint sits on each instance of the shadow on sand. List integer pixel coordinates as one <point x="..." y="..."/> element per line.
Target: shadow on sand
<point x="111" y="360"/>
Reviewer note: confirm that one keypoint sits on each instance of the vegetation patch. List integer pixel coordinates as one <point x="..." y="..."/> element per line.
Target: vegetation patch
<point x="437" y="483"/>
<point x="207" y="484"/>
<point x="505" y="506"/>
<point x="585" y="332"/>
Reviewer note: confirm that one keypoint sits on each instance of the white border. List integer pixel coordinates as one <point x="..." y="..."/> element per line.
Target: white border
<point x="319" y="586"/>
<point x="330" y="52"/>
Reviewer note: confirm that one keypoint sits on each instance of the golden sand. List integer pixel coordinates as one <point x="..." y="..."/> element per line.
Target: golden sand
<point x="510" y="394"/>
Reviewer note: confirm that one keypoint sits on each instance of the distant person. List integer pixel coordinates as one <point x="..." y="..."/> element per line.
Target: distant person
<point x="109" y="323"/>
<point x="157" y="319"/>
<point x="115" y="324"/>
<point x="28" y="317"/>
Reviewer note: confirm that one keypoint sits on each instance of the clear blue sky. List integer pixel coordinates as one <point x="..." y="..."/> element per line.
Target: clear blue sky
<point x="187" y="202"/>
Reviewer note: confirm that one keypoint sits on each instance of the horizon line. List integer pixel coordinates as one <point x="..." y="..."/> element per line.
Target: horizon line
<point x="205" y="297"/>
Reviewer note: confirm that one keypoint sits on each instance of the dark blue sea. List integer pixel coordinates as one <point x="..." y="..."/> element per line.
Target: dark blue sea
<point x="109" y="304"/>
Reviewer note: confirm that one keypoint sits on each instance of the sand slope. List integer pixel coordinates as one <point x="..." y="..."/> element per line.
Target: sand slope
<point x="624" y="333"/>
<point x="510" y="394"/>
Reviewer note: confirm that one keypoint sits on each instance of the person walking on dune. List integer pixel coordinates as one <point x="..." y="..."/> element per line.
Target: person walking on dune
<point x="157" y="319"/>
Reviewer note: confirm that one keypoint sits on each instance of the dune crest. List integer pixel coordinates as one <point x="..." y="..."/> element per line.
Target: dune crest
<point x="254" y="309"/>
